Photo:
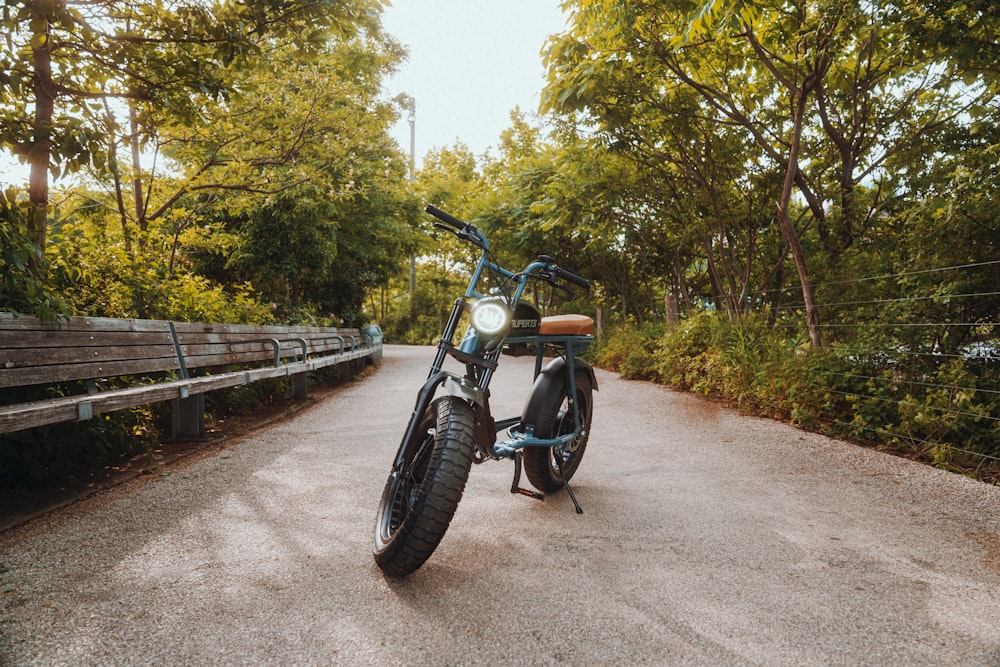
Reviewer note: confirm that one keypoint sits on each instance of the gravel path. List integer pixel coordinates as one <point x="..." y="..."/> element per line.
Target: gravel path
<point x="708" y="538"/>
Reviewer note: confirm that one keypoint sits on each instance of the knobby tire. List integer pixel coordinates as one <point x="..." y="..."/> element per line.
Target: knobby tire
<point x="420" y="500"/>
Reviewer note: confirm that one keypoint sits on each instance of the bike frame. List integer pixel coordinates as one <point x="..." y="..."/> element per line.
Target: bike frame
<point x="481" y="364"/>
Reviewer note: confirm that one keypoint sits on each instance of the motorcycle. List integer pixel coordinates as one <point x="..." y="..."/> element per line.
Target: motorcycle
<point x="449" y="432"/>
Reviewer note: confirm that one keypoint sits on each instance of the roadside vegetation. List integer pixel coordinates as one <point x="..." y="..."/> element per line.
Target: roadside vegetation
<point x="790" y="206"/>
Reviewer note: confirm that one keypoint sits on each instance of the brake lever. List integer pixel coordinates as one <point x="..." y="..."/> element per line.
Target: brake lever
<point x="474" y="239"/>
<point x="462" y="234"/>
<point x="557" y="285"/>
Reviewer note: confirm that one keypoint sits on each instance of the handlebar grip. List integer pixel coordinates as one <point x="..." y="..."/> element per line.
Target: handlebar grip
<point x="572" y="277"/>
<point x="445" y="217"/>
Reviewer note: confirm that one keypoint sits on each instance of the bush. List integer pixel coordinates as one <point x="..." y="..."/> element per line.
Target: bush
<point x="631" y="351"/>
<point x="942" y="415"/>
<point x="24" y="283"/>
<point x="58" y="453"/>
<point x="686" y="355"/>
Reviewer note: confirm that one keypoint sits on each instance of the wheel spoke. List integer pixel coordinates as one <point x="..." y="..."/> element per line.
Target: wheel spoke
<point x="408" y="481"/>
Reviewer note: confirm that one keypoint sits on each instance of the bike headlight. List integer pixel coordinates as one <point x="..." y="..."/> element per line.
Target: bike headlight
<point x="490" y="316"/>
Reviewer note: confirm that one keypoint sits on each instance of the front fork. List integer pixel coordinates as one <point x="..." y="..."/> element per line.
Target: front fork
<point x="455" y="385"/>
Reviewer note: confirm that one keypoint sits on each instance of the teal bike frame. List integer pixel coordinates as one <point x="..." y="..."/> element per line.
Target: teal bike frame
<point x="480" y="354"/>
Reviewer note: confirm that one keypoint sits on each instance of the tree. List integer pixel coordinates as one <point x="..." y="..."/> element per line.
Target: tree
<point x="450" y="178"/>
<point x="291" y="185"/>
<point x="570" y="197"/>
<point x="827" y="91"/>
<point x="66" y="61"/>
<point x="297" y="140"/>
<point x="560" y="196"/>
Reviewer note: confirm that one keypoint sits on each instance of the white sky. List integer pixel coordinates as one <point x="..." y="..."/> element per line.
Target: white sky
<point x="471" y="62"/>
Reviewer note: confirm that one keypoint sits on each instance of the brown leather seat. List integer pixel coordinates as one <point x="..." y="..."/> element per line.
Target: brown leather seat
<point x="566" y="325"/>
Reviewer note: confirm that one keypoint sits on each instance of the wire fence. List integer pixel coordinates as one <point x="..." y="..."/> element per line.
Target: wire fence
<point x="912" y="358"/>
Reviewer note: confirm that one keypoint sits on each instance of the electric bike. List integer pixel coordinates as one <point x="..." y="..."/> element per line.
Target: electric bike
<point x="451" y="426"/>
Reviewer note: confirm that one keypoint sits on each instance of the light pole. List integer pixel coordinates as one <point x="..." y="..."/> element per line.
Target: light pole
<point x="410" y="104"/>
<point x="411" y="116"/>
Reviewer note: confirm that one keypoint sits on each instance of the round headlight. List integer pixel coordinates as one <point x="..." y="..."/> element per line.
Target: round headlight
<point x="490" y="316"/>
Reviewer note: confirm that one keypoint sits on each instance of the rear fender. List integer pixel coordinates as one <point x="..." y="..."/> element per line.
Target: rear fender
<point x="548" y="381"/>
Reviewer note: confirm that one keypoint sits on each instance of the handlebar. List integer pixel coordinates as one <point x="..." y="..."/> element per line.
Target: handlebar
<point x="560" y="272"/>
<point x="469" y="233"/>
<point x="459" y="228"/>
<point x="571" y="277"/>
<point x="445" y="217"/>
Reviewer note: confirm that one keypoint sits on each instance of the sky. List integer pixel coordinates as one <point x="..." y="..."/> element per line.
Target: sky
<point x="471" y="62"/>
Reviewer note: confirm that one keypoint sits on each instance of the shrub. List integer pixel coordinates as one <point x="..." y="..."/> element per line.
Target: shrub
<point x="24" y="272"/>
<point x="58" y="453"/>
<point x="942" y="415"/>
<point x="631" y="351"/>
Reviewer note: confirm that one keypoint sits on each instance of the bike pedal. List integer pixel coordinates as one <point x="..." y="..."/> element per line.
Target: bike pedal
<point x="531" y="494"/>
<point x="515" y="486"/>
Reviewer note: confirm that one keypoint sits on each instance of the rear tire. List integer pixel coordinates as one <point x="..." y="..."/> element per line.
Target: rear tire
<point x="552" y="417"/>
<point x="420" y="499"/>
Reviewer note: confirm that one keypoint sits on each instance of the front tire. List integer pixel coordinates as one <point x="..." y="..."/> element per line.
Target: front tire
<point x="553" y="417"/>
<point x="420" y="499"/>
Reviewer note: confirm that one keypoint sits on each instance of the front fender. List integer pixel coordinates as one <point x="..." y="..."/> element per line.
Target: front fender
<point x="455" y="385"/>
<point x="461" y="387"/>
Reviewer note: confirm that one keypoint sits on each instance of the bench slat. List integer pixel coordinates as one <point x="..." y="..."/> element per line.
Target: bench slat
<point x="61" y="356"/>
<point x="10" y="322"/>
<point x="21" y="339"/>
<point x="55" y="410"/>
<point x="30" y="375"/>
<point x="33" y="352"/>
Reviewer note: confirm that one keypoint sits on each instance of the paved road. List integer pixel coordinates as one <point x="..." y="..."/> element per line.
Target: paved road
<point x="707" y="539"/>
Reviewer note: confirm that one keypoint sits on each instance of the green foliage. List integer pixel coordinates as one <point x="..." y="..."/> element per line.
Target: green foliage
<point x="293" y="216"/>
<point x="24" y="287"/>
<point x="244" y="399"/>
<point x="166" y="56"/>
<point x="944" y="416"/>
<point x="135" y="285"/>
<point x="631" y="351"/>
<point x="709" y="99"/>
<point x="59" y="453"/>
<point x="325" y="217"/>
<point x="307" y="74"/>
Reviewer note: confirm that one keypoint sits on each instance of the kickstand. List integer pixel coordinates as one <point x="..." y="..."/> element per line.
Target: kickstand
<point x="515" y="487"/>
<point x="572" y="496"/>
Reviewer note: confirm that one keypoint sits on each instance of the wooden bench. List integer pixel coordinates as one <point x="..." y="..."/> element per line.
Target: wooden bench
<point x="175" y="361"/>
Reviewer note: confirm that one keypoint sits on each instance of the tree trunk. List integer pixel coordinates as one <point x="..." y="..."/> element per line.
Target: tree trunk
<point x="670" y="308"/>
<point x="785" y="222"/>
<point x="116" y="175"/>
<point x="41" y="147"/>
<point x="140" y="208"/>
